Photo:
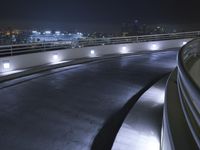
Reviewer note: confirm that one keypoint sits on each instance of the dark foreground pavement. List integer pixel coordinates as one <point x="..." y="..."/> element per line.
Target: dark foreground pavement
<point x="73" y="109"/>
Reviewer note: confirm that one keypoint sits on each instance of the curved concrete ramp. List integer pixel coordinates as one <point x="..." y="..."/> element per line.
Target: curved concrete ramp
<point x="67" y="110"/>
<point x="141" y="129"/>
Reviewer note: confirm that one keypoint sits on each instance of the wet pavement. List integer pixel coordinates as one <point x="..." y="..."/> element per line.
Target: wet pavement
<point x="68" y="109"/>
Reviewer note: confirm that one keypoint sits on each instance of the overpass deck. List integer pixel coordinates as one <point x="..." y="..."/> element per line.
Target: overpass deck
<point x="76" y="108"/>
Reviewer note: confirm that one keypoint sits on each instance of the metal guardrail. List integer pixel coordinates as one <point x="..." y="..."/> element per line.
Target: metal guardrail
<point x="189" y="91"/>
<point x="11" y="50"/>
<point x="181" y="121"/>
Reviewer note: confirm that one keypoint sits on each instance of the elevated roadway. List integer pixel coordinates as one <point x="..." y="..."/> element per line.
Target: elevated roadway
<point x="80" y="107"/>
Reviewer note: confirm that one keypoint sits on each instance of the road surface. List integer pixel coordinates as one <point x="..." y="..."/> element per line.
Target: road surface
<point x="74" y="109"/>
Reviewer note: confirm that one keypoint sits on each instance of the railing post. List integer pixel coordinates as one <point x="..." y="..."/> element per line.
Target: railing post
<point x="11" y="50"/>
<point x="43" y="46"/>
<point x="137" y="39"/>
<point x="198" y="33"/>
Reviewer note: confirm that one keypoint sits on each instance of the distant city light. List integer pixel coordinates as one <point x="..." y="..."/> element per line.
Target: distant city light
<point x="34" y="32"/>
<point x="6" y="65"/>
<point x="79" y="33"/>
<point x="47" y="32"/>
<point x="57" y="32"/>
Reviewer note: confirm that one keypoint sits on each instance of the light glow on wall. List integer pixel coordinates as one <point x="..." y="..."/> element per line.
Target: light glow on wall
<point x="92" y="53"/>
<point x="184" y="43"/>
<point x="152" y="143"/>
<point x="124" y="50"/>
<point x="154" y="47"/>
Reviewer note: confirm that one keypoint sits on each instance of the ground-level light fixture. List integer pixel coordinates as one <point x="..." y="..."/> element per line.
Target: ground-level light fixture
<point x="92" y="52"/>
<point x="154" y="47"/>
<point x="55" y="58"/>
<point x="124" y="50"/>
<point x="6" y="65"/>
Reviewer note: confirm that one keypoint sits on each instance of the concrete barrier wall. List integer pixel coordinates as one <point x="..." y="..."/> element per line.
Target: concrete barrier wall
<point x="42" y="58"/>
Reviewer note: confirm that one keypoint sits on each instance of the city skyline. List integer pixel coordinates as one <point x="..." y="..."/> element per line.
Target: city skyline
<point x="95" y="15"/>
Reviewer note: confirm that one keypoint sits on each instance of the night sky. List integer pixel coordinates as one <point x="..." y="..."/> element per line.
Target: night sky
<point x="93" y="14"/>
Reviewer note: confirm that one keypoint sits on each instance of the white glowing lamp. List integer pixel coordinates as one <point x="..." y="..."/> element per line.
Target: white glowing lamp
<point x="55" y="58"/>
<point x="6" y="65"/>
<point x="184" y="43"/>
<point x="92" y="52"/>
<point x="154" y="47"/>
<point x="124" y="50"/>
